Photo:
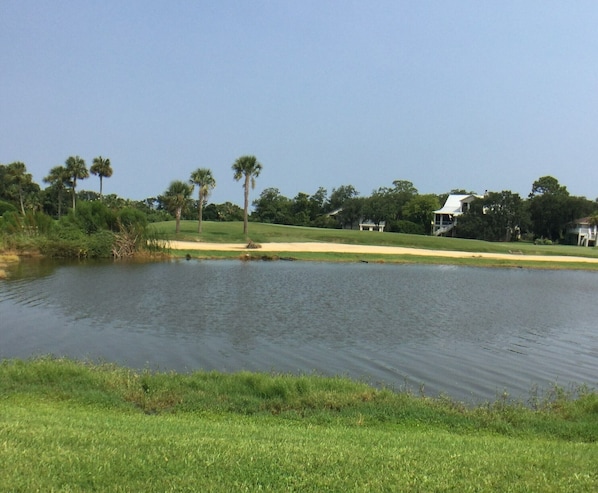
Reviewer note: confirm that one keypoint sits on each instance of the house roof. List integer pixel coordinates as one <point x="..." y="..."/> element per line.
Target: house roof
<point x="453" y="204"/>
<point x="369" y="222"/>
<point x="582" y="220"/>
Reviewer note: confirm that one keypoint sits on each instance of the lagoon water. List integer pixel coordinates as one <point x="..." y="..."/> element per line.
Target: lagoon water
<point x="470" y="333"/>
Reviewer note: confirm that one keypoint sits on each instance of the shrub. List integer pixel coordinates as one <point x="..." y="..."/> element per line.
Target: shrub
<point x="129" y="216"/>
<point x="31" y="224"/>
<point x="91" y="217"/>
<point x="99" y="245"/>
<point x="6" y="207"/>
<point x="407" y="227"/>
<point x="62" y="248"/>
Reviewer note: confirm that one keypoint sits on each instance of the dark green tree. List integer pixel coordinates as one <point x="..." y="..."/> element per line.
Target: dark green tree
<point x="301" y="209"/>
<point x="58" y="179"/>
<point x="381" y="206"/>
<point x="318" y="204"/>
<point x="551" y="208"/>
<point x="420" y="210"/>
<point x="272" y="207"/>
<point x="223" y="212"/>
<point x="340" y="195"/>
<point x="351" y="213"/>
<point x="18" y="183"/>
<point x="404" y="187"/>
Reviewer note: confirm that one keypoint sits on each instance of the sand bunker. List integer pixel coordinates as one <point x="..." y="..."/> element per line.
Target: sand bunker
<point x="372" y="249"/>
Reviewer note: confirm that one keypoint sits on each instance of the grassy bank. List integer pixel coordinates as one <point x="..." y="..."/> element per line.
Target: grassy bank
<point x="231" y="232"/>
<point x="69" y="426"/>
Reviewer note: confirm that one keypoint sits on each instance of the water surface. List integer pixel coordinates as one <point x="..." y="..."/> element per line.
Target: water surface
<point x="467" y="332"/>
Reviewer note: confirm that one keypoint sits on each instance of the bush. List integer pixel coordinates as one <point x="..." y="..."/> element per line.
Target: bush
<point x="91" y="217"/>
<point x="62" y="248"/>
<point x="99" y="245"/>
<point x="31" y="224"/>
<point x="131" y="217"/>
<point x="406" y="227"/>
<point x="6" y="207"/>
<point x="542" y="241"/>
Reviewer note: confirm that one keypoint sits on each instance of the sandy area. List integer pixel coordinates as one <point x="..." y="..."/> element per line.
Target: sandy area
<point x="342" y="248"/>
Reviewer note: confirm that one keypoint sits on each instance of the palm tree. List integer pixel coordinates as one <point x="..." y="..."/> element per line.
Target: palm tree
<point x="249" y="168"/>
<point x="176" y="199"/>
<point x="77" y="170"/>
<point x="202" y="177"/>
<point x="101" y="167"/>
<point x="58" y="178"/>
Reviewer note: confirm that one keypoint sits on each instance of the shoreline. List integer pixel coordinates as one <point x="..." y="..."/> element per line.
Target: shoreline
<point x="317" y="247"/>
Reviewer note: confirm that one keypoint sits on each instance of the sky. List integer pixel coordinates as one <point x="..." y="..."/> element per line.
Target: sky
<point x="475" y="95"/>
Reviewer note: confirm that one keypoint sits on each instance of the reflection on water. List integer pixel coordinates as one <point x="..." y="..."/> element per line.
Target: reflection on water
<point x="466" y="332"/>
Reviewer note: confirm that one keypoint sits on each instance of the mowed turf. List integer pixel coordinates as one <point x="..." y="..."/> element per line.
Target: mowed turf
<point x="71" y="426"/>
<point x="232" y="232"/>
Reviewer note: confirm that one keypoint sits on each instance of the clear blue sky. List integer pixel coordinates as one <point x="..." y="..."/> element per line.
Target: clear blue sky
<point x="447" y="94"/>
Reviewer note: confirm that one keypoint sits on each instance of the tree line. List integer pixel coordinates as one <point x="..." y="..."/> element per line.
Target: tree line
<point x="68" y="222"/>
<point x="494" y="216"/>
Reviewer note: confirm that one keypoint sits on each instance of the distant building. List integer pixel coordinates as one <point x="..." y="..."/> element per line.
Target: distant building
<point x="445" y="219"/>
<point x="582" y="232"/>
<point x="372" y="226"/>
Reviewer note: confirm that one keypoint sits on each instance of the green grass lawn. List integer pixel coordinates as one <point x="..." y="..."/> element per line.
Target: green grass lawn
<point x="232" y="232"/>
<point x="69" y="426"/>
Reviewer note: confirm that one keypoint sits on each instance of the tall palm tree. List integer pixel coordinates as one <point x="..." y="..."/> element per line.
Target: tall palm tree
<point x="249" y="168"/>
<point x="176" y="199"/>
<point x="58" y="178"/>
<point x="101" y="167"/>
<point x="77" y="170"/>
<point x="202" y="177"/>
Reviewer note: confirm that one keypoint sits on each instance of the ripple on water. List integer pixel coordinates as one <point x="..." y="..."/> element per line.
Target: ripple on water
<point x="466" y="332"/>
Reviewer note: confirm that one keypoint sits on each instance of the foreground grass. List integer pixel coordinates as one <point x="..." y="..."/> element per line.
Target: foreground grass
<point x="71" y="426"/>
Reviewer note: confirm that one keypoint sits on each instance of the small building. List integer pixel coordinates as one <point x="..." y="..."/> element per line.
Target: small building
<point x="372" y="226"/>
<point x="445" y="219"/>
<point x="582" y="232"/>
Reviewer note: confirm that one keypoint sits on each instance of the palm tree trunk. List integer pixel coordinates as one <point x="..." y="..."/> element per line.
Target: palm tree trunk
<point x="200" y="212"/>
<point x="74" y="193"/>
<point x="178" y="220"/>
<point x="246" y="204"/>
<point x="21" y="201"/>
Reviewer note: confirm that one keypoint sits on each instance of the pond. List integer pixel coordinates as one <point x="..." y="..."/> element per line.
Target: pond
<point x="470" y="333"/>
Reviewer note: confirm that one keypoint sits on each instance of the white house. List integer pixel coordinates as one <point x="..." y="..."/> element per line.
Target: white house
<point x="445" y="219"/>
<point x="584" y="232"/>
<point x="372" y="226"/>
